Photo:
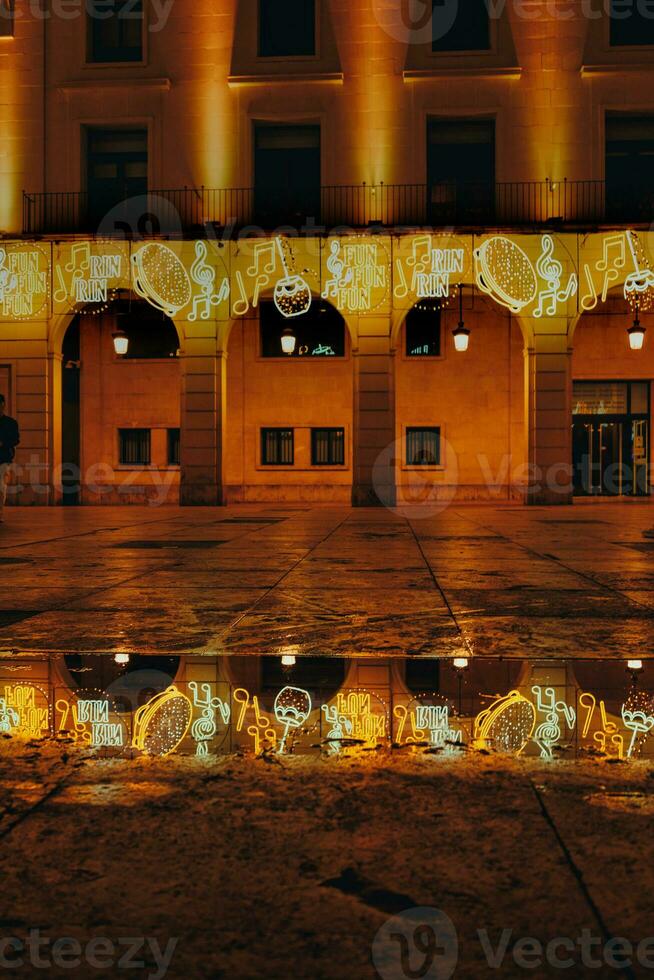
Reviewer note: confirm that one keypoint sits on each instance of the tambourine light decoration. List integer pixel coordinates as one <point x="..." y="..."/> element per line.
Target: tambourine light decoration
<point x="160" y="278"/>
<point x="504" y="272"/>
<point x="162" y="724"/>
<point x="507" y="725"/>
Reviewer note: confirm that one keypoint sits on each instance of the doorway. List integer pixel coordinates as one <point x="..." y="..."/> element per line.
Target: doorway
<point x="610" y="438"/>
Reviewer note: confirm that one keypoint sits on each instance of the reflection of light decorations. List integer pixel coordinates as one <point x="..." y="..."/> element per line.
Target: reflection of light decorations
<point x="93" y="720"/>
<point x="507" y="725"/>
<point x="292" y="708"/>
<point x="551" y="270"/>
<point x="461" y="333"/>
<point x="24" y="710"/>
<point x="636" y="333"/>
<point x="205" y="728"/>
<point x="288" y="660"/>
<point x="160" y="278"/>
<point x="460" y="663"/>
<point x="635" y="665"/>
<point x="607" y="730"/>
<point x="121" y="658"/>
<point x="292" y="295"/>
<point x="161" y="725"/>
<point x="352" y="711"/>
<point x="549" y="732"/>
<point x="504" y="272"/>
<point x="429" y="722"/>
<point x="262" y="732"/>
<point x="638" y="718"/>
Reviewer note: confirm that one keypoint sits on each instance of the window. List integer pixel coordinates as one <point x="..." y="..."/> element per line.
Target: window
<point x="629" y="157"/>
<point x="134" y="447"/>
<point x="460" y="26"/>
<point x="287" y="28"/>
<point x="423" y="447"/>
<point x="152" y="335"/>
<point x="6" y="18"/>
<point x="319" y="333"/>
<point x="115" y="30"/>
<point x="277" y="447"/>
<point x="286" y="174"/>
<point x="631" y="23"/>
<point x="423" y="330"/>
<point x="117" y="168"/>
<point x="422" y="676"/>
<point x="327" y="447"/>
<point x="461" y="170"/>
<point x="173" y="447"/>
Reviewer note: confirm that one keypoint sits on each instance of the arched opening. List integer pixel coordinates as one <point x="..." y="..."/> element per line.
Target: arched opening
<point x="611" y="402"/>
<point x="290" y="395"/>
<point x="460" y="431"/>
<point x="120" y="422"/>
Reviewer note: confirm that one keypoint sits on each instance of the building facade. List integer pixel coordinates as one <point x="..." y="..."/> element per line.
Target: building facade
<point x="287" y="210"/>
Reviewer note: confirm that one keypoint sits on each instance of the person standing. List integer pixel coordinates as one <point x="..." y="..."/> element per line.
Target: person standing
<point x="9" y="439"/>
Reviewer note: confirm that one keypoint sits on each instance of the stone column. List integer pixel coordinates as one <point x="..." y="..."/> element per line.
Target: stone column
<point x="374" y="416"/>
<point x="548" y="394"/>
<point x="202" y="422"/>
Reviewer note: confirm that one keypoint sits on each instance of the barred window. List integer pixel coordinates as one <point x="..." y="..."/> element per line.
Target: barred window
<point x="327" y="447"/>
<point x="423" y="447"/>
<point x="173" y="447"/>
<point x="277" y="447"/>
<point x="423" y="330"/>
<point x="134" y="447"/>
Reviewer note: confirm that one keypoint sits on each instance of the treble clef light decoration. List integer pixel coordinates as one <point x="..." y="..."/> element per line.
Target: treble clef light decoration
<point x="551" y="270"/>
<point x="205" y="276"/>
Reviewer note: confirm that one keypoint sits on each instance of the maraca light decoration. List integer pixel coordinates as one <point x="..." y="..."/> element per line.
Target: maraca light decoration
<point x="161" y="725"/>
<point x="292" y="708"/>
<point x="292" y="294"/>
<point x="638" y="718"/>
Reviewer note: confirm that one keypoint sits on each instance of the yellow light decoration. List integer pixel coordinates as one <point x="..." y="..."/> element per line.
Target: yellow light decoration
<point x="292" y="708"/>
<point x="353" y="715"/>
<point x="24" y="710"/>
<point x="162" y="724"/>
<point x="160" y="278"/>
<point x="549" y="732"/>
<point x="504" y="272"/>
<point x="507" y="725"/>
<point x="360" y="275"/>
<point x="638" y="718"/>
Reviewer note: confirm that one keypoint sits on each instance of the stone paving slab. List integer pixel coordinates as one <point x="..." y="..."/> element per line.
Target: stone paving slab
<point x="490" y="580"/>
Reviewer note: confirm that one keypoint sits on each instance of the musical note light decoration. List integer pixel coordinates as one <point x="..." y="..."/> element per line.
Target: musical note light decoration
<point x="204" y="275"/>
<point x="358" y="275"/>
<point x="606" y="734"/>
<point x="436" y="265"/>
<point x="550" y="270"/>
<point x="549" y="732"/>
<point x="205" y="728"/>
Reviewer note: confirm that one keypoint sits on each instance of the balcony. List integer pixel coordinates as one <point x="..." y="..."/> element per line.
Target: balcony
<point x="192" y="211"/>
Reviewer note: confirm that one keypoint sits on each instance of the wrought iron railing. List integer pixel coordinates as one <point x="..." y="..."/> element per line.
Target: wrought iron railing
<point x="192" y="210"/>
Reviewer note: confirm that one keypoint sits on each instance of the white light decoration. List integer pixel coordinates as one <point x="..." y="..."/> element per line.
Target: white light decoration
<point x="507" y="725"/>
<point x="292" y="708"/>
<point x="204" y="275"/>
<point x="550" y="270"/>
<point x="638" y="718"/>
<point x="24" y="283"/>
<point x="160" y="278"/>
<point x="357" y="275"/>
<point x="504" y="272"/>
<point x="549" y="732"/>
<point x="432" y="269"/>
<point x="288" y="660"/>
<point x="292" y="295"/>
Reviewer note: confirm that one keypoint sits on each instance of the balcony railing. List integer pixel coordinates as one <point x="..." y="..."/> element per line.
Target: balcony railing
<point x="192" y="210"/>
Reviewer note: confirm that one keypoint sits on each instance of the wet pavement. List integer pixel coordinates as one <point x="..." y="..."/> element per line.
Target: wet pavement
<point x="492" y="580"/>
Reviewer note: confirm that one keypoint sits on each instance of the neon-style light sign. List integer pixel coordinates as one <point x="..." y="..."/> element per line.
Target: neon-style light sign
<point x="162" y="724"/>
<point x="341" y="728"/>
<point x="292" y="708"/>
<point x="261" y="731"/>
<point x="432" y="270"/>
<point x="204" y="275"/>
<point x="551" y="270"/>
<point x="356" y="710"/>
<point x="356" y="272"/>
<point x="549" y="732"/>
<point x="22" y="711"/>
<point x="639" y="721"/>
<point x="607" y="732"/>
<point x="159" y="276"/>
<point x="507" y="724"/>
<point x="205" y="728"/>
<point x="23" y="283"/>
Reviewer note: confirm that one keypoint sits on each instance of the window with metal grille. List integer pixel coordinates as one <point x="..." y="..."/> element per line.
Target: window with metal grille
<point x="327" y="447"/>
<point x="423" y="330"/>
<point x="6" y="18"/>
<point x="115" y="30"/>
<point x="277" y="447"/>
<point x="630" y="24"/>
<point x="320" y="332"/>
<point x="287" y="28"/>
<point x="423" y="447"/>
<point x="134" y="447"/>
<point x="173" y="447"/>
<point x="463" y="26"/>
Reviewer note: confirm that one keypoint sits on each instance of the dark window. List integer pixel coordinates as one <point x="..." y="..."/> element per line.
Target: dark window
<point x="423" y="447"/>
<point x="327" y="447"/>
<point x="423" y="330"/>
<point x="629" y="163"/>
<point x="277" y="447"/>
<point x="152" y="335"/>
<point x="173" y="447"/>
<point x="286" y="173"/>
<point x="115" y="30"/>
<point x="134" y="447"/>
<point x="460" y="25"/>
<point x="6" y="18"/>
<point x="319" y="675"/>
<point x="461" y="170"/>
<point x="422" y="676"/>
<point x="287" y="28"/>
<point x="631" y="23"/>
<point x="117" y="168"/>
<point x="319" y="333"/>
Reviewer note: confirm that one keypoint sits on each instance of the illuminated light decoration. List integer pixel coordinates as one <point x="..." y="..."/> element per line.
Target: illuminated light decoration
<point x="607" y="731"/>
<point x="340" y="728"/>
<point x="636" y="333"/>
<point x="402" y="713"/>
<point x="608" y="267"/>
<point x="90" y="274"/>
<point x="353" y="712"/>
<point x="204" y="275"/>
<point x="638" y="718"/>
<point x="639" y="285"/>
<point x="429" y="722"/>
<point x="292" y="295"/>
<point x="549" y="732"/>
<point x="507" y="725"/>
<point x="162" y="724"/>
<point x="160" y="278"/>
<point x="551" y="270"/>
<point x="504" y="272"/>
<point x="24" y="282"/>
<point x="261" y="732"/>
<point x="205" y="728"/>
<point x="323" y="350"/>
<point x="24" y="710"/>
<point x="292" y="708"/>
<point x="265" y="739"/>
<point x="91" y="718"/>
<point x="432" y="268"/>
<point x="359" y="281"/>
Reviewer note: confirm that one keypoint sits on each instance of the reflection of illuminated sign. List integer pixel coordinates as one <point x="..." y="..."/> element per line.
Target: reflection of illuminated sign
<point x="358" y="273"/>
<point x="549" y="731"/>
<point x="24" y="710"/>
<point x="160" y="726"/>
